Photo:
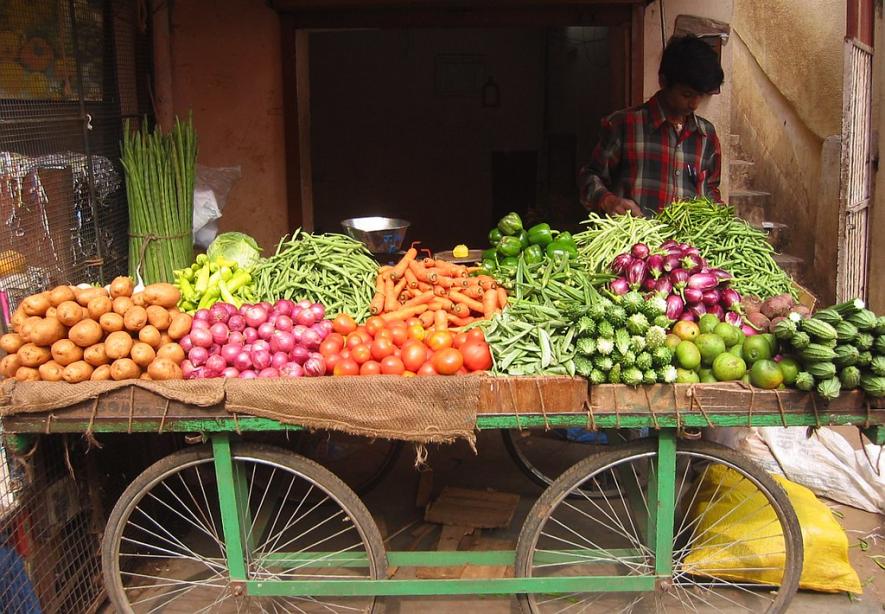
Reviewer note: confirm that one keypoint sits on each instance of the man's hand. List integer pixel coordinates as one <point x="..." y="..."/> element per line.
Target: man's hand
<point x="614" y="205"/>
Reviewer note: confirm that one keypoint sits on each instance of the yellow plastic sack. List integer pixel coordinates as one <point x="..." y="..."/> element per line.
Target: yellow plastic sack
<point x="826" y="567"/>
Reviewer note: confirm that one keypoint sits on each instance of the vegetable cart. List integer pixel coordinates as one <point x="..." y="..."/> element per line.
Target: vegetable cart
<point x="657" y="523"/>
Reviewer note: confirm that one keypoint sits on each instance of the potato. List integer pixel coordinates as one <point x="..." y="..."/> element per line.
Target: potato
<point x="150" y="335"/>
<point x="47" y="331"/>
<point x="51" y="371"/>
<point x="180" y="326"/>
<point x="135" y="319"/>
<point x="118" y="345"/>
<point x="125" y="368"/>
<point x="142" y="354"/>
<point x="33" y="355"/>
<point x="11" y="342"/>
<point x="85" y="333"/>
<point x="28" y="326"/>
<point x="101" y="373"/>
<point x="759" y="321"/>
<point x="121" y="286"/>
<point x="145" y="376"/>
<point x="61" y="294"/>
<point x="164" y="369"/>
<point x="99" y="306"/>
<point x="95" y="355"/>
<point x="138" y="299"/>
<point x="111" y="322"/>
<point x="27" y="374"/>
<point x="172" y="351"/>
<point x="69" y="313"/>
<point x="776" y="306"/>
<point x="802" y="310"/>
<point x="52" y="312"/>
<point x="77" y="372"/>
<point x="36" y="304"/>
<point x="18" y="318"/>
<point x="84" y="295"/>
<point x="122" y="304"/>
<point x="65" y="352"/>
<point x="162" y="294"/>
<point x="164" y="339"/>
<point x="10" y="364"/>
<point x="159" y="317"/>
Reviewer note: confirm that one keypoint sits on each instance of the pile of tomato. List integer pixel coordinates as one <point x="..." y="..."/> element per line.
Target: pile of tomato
<point x="399" y="347"/>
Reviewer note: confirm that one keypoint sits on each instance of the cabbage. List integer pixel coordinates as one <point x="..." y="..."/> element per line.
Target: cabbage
<point x="235" y="247"/>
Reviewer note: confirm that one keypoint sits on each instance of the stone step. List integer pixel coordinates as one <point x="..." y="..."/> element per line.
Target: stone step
<point x="750" y="204"/>
<point x="793" y="265"/>
<point x="778" y="234"/>
<point x="740" y="173"/>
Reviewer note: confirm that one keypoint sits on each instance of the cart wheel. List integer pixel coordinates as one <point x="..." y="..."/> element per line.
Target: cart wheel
<point x="544" y="455"/>
<point x="361" y="463"/>
<point x="163" y="549"/>
<point x="710" y="563"/>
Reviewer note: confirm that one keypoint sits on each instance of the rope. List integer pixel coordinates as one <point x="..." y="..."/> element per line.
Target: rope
<point x="867" y="455"/>
<point x="88" y="435"/>
<point x="68" y="464"/>
<point x="543" y="407"/>
<point x="866" y="422"/>
<point x="163" y="419"/>
<point x="651" y="410"/>
<point x="780" y="407"/>
<point x="814" y="409"/>
<point x="676" y="406"/>
<point x="617" y="411"/>
<point x="515" y="405"/>
<point x="591" y="419"/>
<point x="237" y="423"/>
<point x="693" y="397"/>
<point x="49" y="423"/>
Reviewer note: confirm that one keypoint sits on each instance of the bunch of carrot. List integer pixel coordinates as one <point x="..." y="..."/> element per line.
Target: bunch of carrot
<point x="439" y="293"/>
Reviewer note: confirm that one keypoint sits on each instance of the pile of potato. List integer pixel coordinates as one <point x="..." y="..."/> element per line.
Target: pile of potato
<point x="78" y="334"/>
<point x="765" y="315"/>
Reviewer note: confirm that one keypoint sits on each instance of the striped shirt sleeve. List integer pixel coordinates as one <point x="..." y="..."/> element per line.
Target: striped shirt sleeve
<point x="595" y="177"/>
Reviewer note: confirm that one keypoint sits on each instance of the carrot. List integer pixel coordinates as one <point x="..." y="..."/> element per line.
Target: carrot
<point x="400" y="269"/>
<point x="421" y="273"/>
<point x="450" y="269"/>
<point x="472" y="304"/>
<point x="502" y="297"/>
<point x="377" y="304"/>
<point x="423" y="287"/>
<point x="421" y="299"/>
<point x="449" y="282"/>
<point x="473" y="292"/>
<point x="427" y="318"/>
<point x="486" y="282"/>
<point x="459" y="321"/>
<point x="443" y="303"/>
<point x="440" y="291"/>
<point x="404" y="313"/>
<point x="459" y="310"/>
<point x="489" y="303"/>
<point x="400" y="286"/>
<point x="411" y="280"/>
<point x="391" y="298"/>
<point x="440" y="320"/>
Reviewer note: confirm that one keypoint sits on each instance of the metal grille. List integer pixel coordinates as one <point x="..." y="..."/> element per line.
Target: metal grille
<point x="856" y="173"/>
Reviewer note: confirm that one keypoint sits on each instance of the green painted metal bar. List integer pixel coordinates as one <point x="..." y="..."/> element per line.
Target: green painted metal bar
<point x="241" y="492"/>
<point x="876" y="434"/>
<point x="227" y="499"/>
<point x="651" y="516"/>
<point x="666" y="495"/>
<point x="489" y="586"/>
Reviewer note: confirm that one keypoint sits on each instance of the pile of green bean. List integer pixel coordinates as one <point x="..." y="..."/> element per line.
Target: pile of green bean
<point x="730" y="243"/>
<point x="331" y="269"/>
<point x="606" y="237"/>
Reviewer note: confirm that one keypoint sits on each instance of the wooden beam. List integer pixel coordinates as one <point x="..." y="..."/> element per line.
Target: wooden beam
<point x="308" y="5"/>
<point x="637" y="54"/>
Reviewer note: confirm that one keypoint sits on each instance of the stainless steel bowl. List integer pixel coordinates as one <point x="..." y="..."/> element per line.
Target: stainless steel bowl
<point x="381" y="235"/>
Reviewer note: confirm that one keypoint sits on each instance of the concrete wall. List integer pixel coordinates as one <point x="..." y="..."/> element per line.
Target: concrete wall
<point x="877" y="224"/>
<point x="226" y="68"/>
<point x="787" y="73"/>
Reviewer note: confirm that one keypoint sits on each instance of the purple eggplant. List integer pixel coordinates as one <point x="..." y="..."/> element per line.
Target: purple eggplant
<point x="637" y="273"/>
<point x="687" y="315"/>
<point x="640" y="250"/>
<point x="668" y="244"/>
<point x="679" y="277"/>
<point x="621" y="263"/>
<point x="671" y="262"/>
<point x="693" y="296"/>
<point x="711" y="297"/>
<point x="692" y="263"/>
<point x="619" y="286"/>
<point x="693" y="251"/>
<point x="649" y="284"/>
<point x="722" y="275"/>
<point x="702" y="281"/>
<point x="734" y="318"/>
<point x="716" y="310"/>
<point x="731" y="299"/>
<point x="655" y="264"/>
<point x="698" y="310"/>
<point x="685" y="247"/>
<point x="675" y="305"/>
<point x="664" y="286"/>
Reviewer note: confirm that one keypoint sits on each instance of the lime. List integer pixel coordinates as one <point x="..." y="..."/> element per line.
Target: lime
<point x="672" y="341"/>
<point x="729" y="368"/>
<point x="772" y="342"/>
<point x="737" y="350"/>
<point x="766" y="374"/>
<point x="687" y="355"/>
<point x="731" y="335"/>
<point x="686" y="376"/>
<point x="756" y="348"/>
<point x="708" y="322"/>
<point x="790" y="368"/>
<point x="705" y="372"/>
<point x="746" y="379"/>
<point x="710" y="346"/>
<point x="708" y="378"/>
<point x="686" y="330"/>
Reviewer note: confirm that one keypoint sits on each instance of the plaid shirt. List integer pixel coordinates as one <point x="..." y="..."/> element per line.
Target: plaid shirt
<point x="640" y="156"/>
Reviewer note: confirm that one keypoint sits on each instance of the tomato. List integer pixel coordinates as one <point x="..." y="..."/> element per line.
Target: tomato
<point x="361" y="353"/>
<point x="427" y="369"/>
<point x="460" y="339"/>
<point x="412" y="322"/>
<point x="391" y="365"/>
<point x="447" y="361"/>
<point x="417" y="332"/>
<point x="330" y="346"/>
<point x="414" y="355"/>
<point x="337" y="338"/>
<point x="373" y="325"/>
<point x="343" y="324"/>
<point x="409" y="374"/>
<point x="477" y="356"/>
<point x="381" y="348"/>
<point x="331" y="361"/>
<point x="440" y="340"/>
<point x="344" y="354"/>
<point x="400" y="335"/>
<point x="346" y="366"/>
<point x="370" y="367"/>
<point x="385" y="333"/>
<point x="461" y="371"/>
<point x="353" y="340"/>
<point x="476" y="334"/>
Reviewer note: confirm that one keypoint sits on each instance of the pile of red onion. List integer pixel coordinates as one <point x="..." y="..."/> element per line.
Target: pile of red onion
<point x="679" y="274"/>
<point x="261" y="340"/>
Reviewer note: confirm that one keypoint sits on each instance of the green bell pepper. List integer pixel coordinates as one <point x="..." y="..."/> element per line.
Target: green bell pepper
<point x="533" y="254"/>
<point x="509" y="246"/>
<point x="495" y="236"/>
<point x="510" y="262"/>
<point x="540" y="234"/>
<point x="510" y="224"/>
<point x="523" y="237"/>
<point x="561" y="248"/>
<point x="489" y="254"/>
<point x="566" y="237"/>
<point x="488" y="267"/>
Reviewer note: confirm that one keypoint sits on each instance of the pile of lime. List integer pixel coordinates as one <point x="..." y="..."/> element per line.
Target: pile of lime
<point x="714" y="351"/>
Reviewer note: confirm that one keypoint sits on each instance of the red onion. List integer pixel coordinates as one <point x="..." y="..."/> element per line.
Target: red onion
<point x="255" y="316"/>
<point x="269" y="372"/>
<point x="311" y="339"/>
<point x="298" y="333"/>
<point x="281" y="341"/>
<point x="664" y="286"/>
<point x="748" y="330"/>
<point x="324" y="328"/>
<point x="186" y="343"/>
<point x="315" y="367"/>
<point x="640" y="250"/>
<point x="215" y="349"/>
<point x="243" y="360"/>
<point x="279" y="360"/>
<point x="284" y="307"/>
<point x="215" y="364"/>
<point x="306" y="317"/>
<point x="237" y="338"/>
<point x="272" y="318"/>
<point x="703" y="281"/>
<point x="251" y="335"/>
<point x="261" y="344"/>
<point x="675" y="306"/>
<point x="201" y="337"/>
<point x="636" y="273"/>
<point x="679" y="277"/>
<point x="655" y="264"/>
<point x="198" y="355"/>
<point x="299" y="354"/>
<point x="318" y="310"/>
<point x="698" y="309"/>
<point x="305" y="304"/>
<point x="230" y="352"/>
<point x="260" y="358"/>
<point x="730" y="298"/>
<point x="187" y="368"/>
<point x="284" y="323"/>
<point x="218" y="313"/>
<point x="716" y="310"/>
<point x="693" y="296"/>
<point x="292" y="369"/>
<point x="231" y="309"/>
<point x="219" y="333"/>
<point x="619" y="286"/>
<point x="200" y="324"/>
<point x="236" y="323"/>
<point x="711" y="297"/>
<point x="230" y="373"/>
<point x="199" y="373"/>
<point x="621" y="263"/>
<point x="248" y="374"/>
<point x="265" y="331"/>
<point x="734" y="318"/>
<point x="202" y="314"/>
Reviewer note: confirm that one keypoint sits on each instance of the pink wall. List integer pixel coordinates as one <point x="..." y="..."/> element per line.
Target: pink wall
<point x="226" y="67"/>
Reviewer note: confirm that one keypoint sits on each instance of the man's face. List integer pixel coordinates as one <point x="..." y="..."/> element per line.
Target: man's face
<point x="682" y="100"/>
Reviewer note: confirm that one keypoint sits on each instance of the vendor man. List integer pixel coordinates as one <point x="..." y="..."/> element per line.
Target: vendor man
<point x="659" y="152"/>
